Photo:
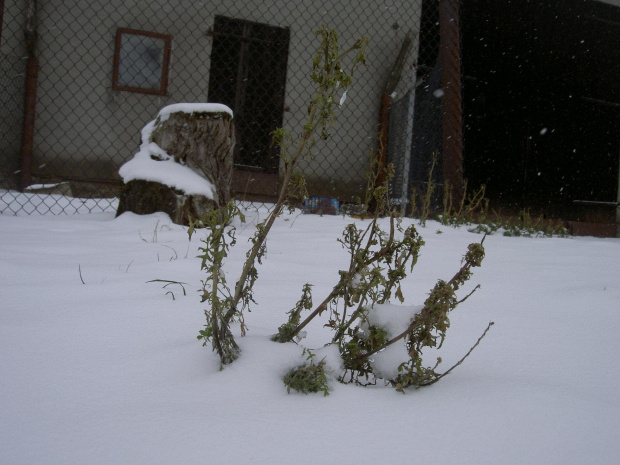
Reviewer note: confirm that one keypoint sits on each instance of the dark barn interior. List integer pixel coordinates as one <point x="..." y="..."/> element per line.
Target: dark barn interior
<point x="542" y="105"/>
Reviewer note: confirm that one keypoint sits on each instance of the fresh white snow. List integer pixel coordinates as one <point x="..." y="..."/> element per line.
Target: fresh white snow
<point x="165" y="112"/>
<point x="394" y="319"/>
<point x="110" y="371"/>
<point x="152" y="163"/>
<point x="43" y="186"/>
<point x="164" y="170"/>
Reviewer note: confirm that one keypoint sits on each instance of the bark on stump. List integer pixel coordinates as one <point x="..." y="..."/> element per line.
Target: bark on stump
<point x="199" y="137"/>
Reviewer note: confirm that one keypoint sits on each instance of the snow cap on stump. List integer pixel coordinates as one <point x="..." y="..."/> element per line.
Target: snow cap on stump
<point x="184" y="165"/>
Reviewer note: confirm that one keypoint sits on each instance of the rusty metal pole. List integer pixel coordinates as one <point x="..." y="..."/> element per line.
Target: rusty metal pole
<point x="32" y="73"/>
<point x="452" y="116"/>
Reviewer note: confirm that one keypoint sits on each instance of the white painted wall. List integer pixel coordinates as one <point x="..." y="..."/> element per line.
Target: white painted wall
<point x="83" y="125"/>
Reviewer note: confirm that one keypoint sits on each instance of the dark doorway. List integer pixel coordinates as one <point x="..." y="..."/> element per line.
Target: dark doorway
<point x="248" y="73"/>
<point x="542" y="104"/>
<point x="426" y="153"/>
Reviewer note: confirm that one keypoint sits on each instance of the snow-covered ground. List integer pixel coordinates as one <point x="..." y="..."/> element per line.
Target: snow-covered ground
<point x="109" y="371"/>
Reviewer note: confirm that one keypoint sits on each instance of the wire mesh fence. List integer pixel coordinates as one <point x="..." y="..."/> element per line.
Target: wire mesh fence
<point x="79" y="80"/>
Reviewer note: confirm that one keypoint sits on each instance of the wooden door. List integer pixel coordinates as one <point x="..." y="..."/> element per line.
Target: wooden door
<point x="248" y="73"/>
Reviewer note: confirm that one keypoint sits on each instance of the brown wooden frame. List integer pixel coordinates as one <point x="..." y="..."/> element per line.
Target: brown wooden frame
<point x="163" y="80"/>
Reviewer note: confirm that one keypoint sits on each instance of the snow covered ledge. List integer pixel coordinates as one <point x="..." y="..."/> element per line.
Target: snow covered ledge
<point x="184" y="165"/>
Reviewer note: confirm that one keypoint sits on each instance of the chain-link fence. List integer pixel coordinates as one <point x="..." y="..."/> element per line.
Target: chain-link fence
<point x="79" y="80"/>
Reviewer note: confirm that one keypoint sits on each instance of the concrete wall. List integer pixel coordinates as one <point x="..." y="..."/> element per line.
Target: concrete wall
<point x="84" y="129"/>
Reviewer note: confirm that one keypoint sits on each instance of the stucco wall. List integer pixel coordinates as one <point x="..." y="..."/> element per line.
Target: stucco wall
<point x="12" y="82"/>
<point x="84" y="129"/>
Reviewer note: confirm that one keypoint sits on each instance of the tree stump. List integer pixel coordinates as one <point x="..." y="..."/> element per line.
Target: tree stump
<point x="184" y="166"/>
